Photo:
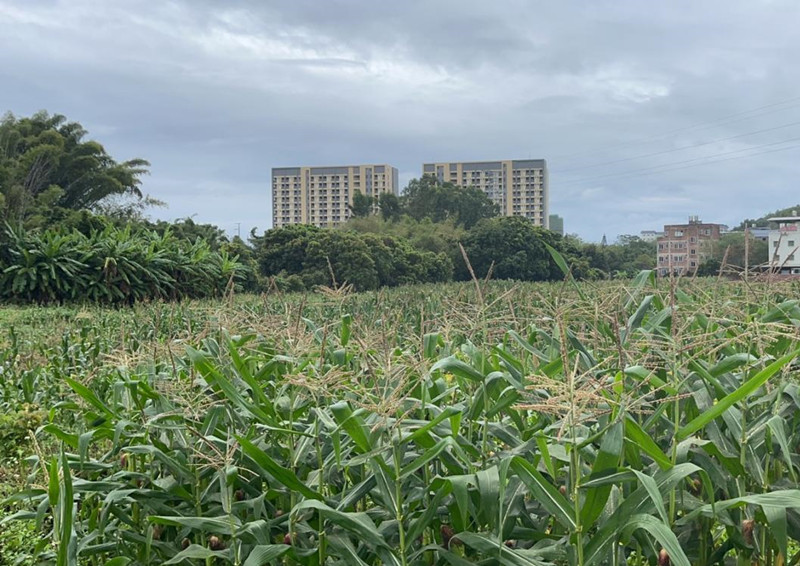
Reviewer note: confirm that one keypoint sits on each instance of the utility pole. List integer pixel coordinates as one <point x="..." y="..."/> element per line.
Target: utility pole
<point x="238" y="230"/>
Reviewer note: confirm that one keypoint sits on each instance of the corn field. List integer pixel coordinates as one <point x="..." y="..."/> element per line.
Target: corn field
<point x="650" y="422"/>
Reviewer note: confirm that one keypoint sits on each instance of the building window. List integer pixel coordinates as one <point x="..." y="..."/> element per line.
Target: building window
<point x="775" y="244"/>
<point x="790" y="258"/>
<point x="790" y="243"/>
<point x="678" y="233"/>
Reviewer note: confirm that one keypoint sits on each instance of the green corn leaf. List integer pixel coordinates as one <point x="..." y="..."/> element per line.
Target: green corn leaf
<point x="429" y="454"/>
<point x="662" y="533"/>
<point x="640" y="439"/>
<point x="785" y="499"/>
<point x="358" y="524"/>
<point x="491" y="547"/>
<point x="197" y="552"/>
<point x="644" y="277"/>
<point x="650" y="486"/>
<point x="421" y="522"/>
<point x="343" y="546"/>
<point x="732" y="362"/>
<point x="635" y="320"/>
<point x="427" y="427"/>
<point x="544" y="492"/>
<point x="746" y="389"/>
<point x="606" y="461"/>
<point x="54" y="484"/>
<point x="776" y="517"/>
<point x="352" y="423"/>
<point x="455" y="366"/>
<point x="89" y="396"/>
<point x="562" y="265"/>
<point x="489" y="492"/>
<point x="215" y="378"/>
<point x="263" y="554"/>
<point x="778" y="431"/>
<point x="459" y="486"/>
<point x="284" y="475"/>
<point x="67" y="554"/>
<point x="211" y="525"/>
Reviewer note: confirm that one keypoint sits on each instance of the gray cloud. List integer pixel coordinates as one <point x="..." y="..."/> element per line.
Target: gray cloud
<point x="215" y="94"/>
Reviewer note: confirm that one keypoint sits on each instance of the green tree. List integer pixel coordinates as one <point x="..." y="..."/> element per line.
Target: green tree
<point x="283" y="250"/>
<point x="325" y="257"/>
<point x="428" y="198"/>
<point x="389" y="205"/>
<point x="47" y="155"/>
<point x="763" y="222"/>
<point x="362" y="205"/>
<point x="513" y="248"/>
<point x="399" y="263"/>
<point x="709" y="268"/>
<point x="335" y="257"/>
<point x="426" y="235"/>
<point x="730" y="248"/>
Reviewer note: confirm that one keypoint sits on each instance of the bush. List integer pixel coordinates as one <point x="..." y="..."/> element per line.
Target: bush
<point x="112" y="266"/>
<point x="15" y="429"/>
<point x="318" y="257"/>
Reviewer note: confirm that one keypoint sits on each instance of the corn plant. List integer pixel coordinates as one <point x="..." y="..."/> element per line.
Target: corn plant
<point x="647" y="423"/>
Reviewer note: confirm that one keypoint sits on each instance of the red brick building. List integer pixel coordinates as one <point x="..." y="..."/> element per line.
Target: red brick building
<point x="683" y="247"/>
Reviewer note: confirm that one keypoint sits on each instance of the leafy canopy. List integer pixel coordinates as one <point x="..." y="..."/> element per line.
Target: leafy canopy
<point x="45" y="161"/>
<point x="429" y="198"/>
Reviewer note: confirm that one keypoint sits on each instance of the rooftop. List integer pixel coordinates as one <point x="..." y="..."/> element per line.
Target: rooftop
<point x="784" y="219"/>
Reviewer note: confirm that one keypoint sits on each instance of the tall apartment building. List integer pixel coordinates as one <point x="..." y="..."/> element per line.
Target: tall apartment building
<point x="784" y="244"/>
<point x="320" y="195"/>
<point x="519" y="187"/>
<point x="683" y="247"/>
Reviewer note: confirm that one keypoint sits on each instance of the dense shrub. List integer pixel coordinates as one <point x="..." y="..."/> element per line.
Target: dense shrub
<point x="111" y="266"/>
<point x="367" y="261"/>
<point x="512" y="248"/>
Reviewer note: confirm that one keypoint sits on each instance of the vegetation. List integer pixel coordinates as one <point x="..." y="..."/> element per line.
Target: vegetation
<point x="502" y="423"/>
<point x="511" y="248"/>
<point x="45" y="163"/>
<point x="732" y="251"/>
<point x="488" y="422"/>
<point x="439" y="201"/>
<point x="303" y="257"/>
<point x="763" y="222"/>
<point x="111" y="266"/>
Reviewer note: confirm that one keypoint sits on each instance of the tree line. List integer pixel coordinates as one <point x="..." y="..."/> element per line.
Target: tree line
<point x="74" y="227"/>
<point x="419" y="237"/>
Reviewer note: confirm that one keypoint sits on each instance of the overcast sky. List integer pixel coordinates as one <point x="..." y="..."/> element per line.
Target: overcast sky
<point x="610" y="92"/>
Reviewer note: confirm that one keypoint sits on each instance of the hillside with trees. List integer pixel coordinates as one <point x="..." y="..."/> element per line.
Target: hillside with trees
<point x="763" y="221"/>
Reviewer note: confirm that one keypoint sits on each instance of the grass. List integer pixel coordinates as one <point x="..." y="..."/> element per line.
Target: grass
<point x="623" y="422"/>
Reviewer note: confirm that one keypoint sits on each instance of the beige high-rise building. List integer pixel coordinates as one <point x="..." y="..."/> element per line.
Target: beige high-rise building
<point x="519" y="187"/>
<point x="320" y="195"/>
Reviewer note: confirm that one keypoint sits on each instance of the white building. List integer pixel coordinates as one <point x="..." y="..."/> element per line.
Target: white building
<point x="784" y="244"/>
<point x="650" y="235"/>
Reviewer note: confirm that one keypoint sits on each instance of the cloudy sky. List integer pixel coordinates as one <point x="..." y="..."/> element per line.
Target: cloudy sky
<point x="646" y="111"/>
